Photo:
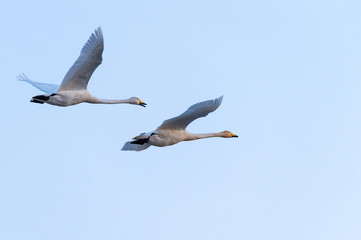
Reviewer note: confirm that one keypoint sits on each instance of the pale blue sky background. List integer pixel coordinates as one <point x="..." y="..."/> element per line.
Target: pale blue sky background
<point x="290" y="73"/>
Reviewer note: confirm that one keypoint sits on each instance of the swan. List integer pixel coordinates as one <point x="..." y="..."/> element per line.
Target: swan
<point x="173" y="130"/>
<point x="73" y="89"/>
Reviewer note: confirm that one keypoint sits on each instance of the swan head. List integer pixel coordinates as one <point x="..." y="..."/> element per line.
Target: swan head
<point x="228" y="134"/>
<point x="137" y="101"/>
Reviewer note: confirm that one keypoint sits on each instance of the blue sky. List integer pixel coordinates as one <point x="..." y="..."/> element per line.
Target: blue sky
<point x="290" y="75"/>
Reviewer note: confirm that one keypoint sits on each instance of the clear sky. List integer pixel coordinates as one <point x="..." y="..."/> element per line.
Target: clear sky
<point x="290" y="73"/>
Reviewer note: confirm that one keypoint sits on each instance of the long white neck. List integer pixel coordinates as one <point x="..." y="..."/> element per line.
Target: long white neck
<point x="207" y="135"/>
<point x="110" y="101"/>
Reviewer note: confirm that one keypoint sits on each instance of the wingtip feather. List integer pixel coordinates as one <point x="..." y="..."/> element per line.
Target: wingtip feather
<point x="95" y="43"/>
<point x="219" y="100"/>
<point x="22" y="77"/>
<point x="134" y="147"/>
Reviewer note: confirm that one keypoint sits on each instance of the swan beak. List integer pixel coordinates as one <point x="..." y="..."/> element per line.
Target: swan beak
<point x="143" y="104"/>
<point x="233" y="135"/>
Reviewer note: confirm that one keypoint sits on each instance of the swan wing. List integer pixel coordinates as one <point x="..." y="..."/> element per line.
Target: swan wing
<point x="45" y="87"/>
<point x="195" y="111"/>
<point x="135" y="147"/>
<point x="90" y="58"/>
<point x="143" y="135"/>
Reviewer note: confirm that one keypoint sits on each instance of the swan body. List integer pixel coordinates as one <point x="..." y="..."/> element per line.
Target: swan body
<point x="73" y="89"/>
<point x="173" y="130"/>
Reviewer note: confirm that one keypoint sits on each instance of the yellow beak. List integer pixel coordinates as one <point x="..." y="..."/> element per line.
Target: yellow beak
<point x="233" y="135"/>
<point x="141" y="103"/>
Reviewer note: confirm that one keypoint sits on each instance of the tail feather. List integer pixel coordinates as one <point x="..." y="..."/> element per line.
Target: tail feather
<point x="34" y="100"/>
<point x="40" y="99"/>
<point x="140" y="141"/>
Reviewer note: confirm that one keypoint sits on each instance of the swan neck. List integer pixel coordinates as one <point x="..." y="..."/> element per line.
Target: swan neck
<point x="206" y="135"/>
<point x="109" y="101"/>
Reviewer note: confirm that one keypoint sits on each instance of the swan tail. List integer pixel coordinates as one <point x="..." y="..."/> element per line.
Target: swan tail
<point x="135" y="146"/>
<point x="40" y="99"/>
<point x="140" y="141"/>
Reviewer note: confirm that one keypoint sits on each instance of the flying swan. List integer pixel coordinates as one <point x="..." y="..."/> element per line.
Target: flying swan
<point x="73" y="88"/>
<point x="173" y="130"/>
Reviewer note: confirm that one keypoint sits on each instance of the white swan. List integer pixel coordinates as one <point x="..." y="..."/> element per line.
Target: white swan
<point x="73" y="89"/>
<point x="173" y="130"/>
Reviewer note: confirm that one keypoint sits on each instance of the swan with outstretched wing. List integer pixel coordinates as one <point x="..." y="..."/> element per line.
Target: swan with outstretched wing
<point x="173" y="130"/>
<point x="73" y="89"/>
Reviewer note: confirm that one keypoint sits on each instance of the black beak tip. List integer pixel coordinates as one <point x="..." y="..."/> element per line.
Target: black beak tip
<point x="235" y="136"/>
<point x="143" y="104"/>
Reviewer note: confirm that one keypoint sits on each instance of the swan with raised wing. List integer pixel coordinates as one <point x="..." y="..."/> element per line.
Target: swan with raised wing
<point x="73" y="89"/>
<point x="173" y="130"/>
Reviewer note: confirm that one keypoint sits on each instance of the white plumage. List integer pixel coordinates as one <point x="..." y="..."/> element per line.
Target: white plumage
<point x="73" y="89"/>
<point x="173" y="130"/>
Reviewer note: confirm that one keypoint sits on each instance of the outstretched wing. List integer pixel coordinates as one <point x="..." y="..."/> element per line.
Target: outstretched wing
<point x="90" y="58"/>
<point x="195" y="111"/>
<point x="45" y="87"/>
<point x="128" y="146"/>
